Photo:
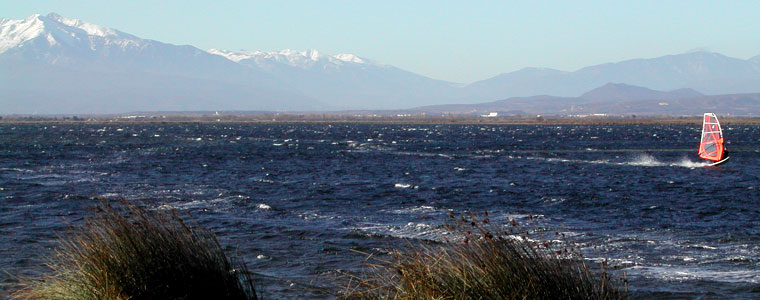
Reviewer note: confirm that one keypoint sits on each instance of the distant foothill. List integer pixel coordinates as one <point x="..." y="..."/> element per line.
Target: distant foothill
<point x="59" y="65"/>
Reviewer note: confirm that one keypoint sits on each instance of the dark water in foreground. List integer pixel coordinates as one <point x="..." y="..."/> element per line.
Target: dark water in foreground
<point x="293" y="200"/>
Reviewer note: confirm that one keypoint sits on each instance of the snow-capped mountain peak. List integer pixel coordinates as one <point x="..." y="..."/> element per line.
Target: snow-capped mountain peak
<point x="312" y="54"/>
<point x="349" y="58"/>
<point x="15" y="32"/>
<point x="89" y="28"/>
<point x="235" y="56"/>
<point x="300" y="59"/>
<point x="59" y="31"/>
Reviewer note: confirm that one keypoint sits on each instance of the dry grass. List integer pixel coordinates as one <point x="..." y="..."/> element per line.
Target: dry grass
<point x="484" y="263"/>
<point x="127" y="252"/>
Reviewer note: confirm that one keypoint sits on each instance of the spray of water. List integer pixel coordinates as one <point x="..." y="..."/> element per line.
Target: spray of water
<point x="641" y="159"/>
<point x="646" y="160"/>
<point x="650" y="161"/>
<point x="687" y="163"/>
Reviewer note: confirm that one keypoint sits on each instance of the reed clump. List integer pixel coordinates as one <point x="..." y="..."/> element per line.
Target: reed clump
<point x="128" y="252"/>
<point x="484" y="262"/>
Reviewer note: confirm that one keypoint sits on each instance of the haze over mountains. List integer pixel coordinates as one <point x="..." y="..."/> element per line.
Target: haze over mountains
<point x="611" y="99"/>
<point x="346" y="81"/>
<point x="55" y="65"/>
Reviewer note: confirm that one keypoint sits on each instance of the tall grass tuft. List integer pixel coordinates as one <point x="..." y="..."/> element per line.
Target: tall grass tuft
<point x="127" y="252"/>
<point x="484" y="262"/>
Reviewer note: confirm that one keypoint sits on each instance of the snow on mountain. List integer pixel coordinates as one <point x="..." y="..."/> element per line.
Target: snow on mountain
<point x="300" y="59"/>
<point x="350" y="58"/>
<point x="89" y="28"/>
<point x="347" y="81"/>
<point x="71" y="43"/>
<point x="60" y="65"/>
<point x="54" y="35"/>
<point x="57" y="64"/>
<point x="15" y="32"/>
<point x="234" y="56"/>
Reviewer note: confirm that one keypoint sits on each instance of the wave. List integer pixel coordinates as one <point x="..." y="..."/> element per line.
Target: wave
<point x="414" y="230"/>
<point x="17" y="170"/>
<point x="422" y="209"/>
<point x="640" y="160"/>
<point x="674" y="273"/>
<point x="405" y="186"/>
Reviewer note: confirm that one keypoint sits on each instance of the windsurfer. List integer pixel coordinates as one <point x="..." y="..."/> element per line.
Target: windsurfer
<point x="711" y="146"/>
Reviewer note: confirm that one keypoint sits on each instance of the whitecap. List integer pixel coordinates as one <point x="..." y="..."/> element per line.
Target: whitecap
<point x="414" y="230"/>
<point x="415" y="210"/>
<point x="673" y="273"/>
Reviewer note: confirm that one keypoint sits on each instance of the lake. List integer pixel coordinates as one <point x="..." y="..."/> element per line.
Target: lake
<point x="299" y="202"/>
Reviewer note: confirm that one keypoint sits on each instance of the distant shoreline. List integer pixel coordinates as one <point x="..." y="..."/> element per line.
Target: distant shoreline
<point x="371" y="119"/>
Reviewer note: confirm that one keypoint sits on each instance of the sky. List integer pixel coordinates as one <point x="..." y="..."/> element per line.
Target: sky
<point x="457" y="41"/>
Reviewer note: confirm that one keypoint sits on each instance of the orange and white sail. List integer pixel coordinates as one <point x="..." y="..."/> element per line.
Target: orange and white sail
<point x="711" y="146"/>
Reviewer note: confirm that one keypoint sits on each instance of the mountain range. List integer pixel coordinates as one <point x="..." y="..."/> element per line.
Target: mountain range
<point x="55" y="65"/>
<point x="346" y="81"/>
<point x="611" y="99"/>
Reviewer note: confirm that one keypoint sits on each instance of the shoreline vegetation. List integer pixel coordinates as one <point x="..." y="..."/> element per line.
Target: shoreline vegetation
<point x="125" y="251"/>
<point x="333" y="118"/>
<point x="480" y="260"/>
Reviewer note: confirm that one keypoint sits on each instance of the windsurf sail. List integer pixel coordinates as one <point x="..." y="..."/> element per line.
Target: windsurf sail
<point x="711" y="146"/>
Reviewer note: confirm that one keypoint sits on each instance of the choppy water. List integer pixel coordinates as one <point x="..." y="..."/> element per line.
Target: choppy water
<point x="294" y="200"/>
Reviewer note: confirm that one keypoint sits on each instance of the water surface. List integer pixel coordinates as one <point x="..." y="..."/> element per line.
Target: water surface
<point x="294" y="200"/>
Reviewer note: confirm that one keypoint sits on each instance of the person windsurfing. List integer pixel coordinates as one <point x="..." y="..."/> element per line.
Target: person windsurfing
<point x="711" y="146"/>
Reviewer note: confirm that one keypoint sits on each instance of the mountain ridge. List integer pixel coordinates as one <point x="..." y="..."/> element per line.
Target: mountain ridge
<point x="48" y="55"/>
<point x="292" y="57"/>
<point x="706" y="72"/>
<point x="611" y="99"/>
<point x="111" y="70"/>
<point x="622" y="92"/>
<point x="343" y="78"/>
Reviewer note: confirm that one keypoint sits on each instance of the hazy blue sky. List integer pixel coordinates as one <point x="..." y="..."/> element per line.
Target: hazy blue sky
<point x="460" y="41"/>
